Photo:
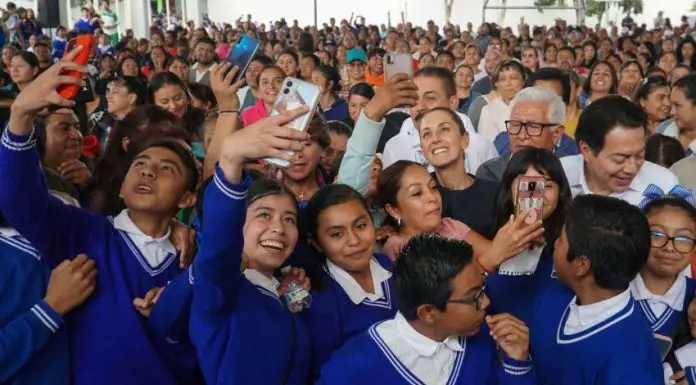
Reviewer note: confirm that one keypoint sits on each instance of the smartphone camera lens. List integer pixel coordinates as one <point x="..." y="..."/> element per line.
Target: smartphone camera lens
<point x="289" y="84"/>
<point x="286" y="91"/>
<point x="532" y="186"/>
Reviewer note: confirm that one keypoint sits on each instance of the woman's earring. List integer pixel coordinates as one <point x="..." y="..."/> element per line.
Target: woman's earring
<point x="398" y="221"/>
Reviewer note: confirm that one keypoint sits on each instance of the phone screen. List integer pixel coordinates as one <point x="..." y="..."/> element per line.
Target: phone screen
<point x="530" y="196"/>
<point x="241" y="54"/>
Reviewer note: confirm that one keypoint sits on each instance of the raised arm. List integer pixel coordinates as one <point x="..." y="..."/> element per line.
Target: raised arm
<point x="228" y="104"/>
<point x="52" y="227"/>
<point x="217" y="267"/>
<point x="356" y="166"/>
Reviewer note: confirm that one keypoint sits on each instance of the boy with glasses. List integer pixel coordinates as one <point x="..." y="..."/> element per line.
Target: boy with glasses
<point x="439" y="335"/>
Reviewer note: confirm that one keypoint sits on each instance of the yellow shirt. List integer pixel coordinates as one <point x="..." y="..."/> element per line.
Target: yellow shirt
<point x="571" y="125"/>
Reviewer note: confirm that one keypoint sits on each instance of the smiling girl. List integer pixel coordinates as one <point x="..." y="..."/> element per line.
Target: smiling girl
<point x="662" y="288"/>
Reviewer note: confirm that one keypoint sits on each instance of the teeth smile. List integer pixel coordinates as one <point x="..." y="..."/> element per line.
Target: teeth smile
<point x="439" y="150"/>
<point x="275" y="245"/>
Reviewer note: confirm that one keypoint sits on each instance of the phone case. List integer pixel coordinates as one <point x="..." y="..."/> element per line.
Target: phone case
<point x="664" y="344"/>
<point x="530" y="196"/>
<point x="295" y="94"/>
<point x="242" y="54"/>
<point x="395" y="63"/>
<point x="70" y="91"/>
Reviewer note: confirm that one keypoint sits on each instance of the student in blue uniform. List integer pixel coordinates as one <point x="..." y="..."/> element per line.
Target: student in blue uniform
<point x="351" y="284"/>
<point x="662" y="288"/>
<point x="439" y="335"/>
<point x="242" y="331"/>
<point x="680" y="364"/>
<point x="33" y="337"/>
<point x="592" y="332"/>
<point x="518" y="280"/>
<point x="110" y="342"/>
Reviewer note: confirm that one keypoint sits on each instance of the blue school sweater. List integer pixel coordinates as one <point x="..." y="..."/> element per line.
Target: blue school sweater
<point x="170" y="320"/>
<point x="87" y="26"/>
<point x="665" y="324"/>
<point x="33" y="340"/>
<point x="367" y="360"/>
<point x="58" y="48"/>
<point x="333" y="318"/>
<point x="110" y="342"/>
<point x="515" y="294"/>
<point x="619" y="350"/>
<point x="243" y="333"/>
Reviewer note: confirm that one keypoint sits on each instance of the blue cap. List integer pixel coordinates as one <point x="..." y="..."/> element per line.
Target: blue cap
<point x="356" y="54"/>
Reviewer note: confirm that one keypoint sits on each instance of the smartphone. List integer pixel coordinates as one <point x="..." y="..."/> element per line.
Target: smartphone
<point x="664" y="344"/>
<point x="70" y="91"/>
<point x="294" y="94"/>
<point x="397" y="63"/>
<point x="241" y="55"/>
<point x="530" y="196"/>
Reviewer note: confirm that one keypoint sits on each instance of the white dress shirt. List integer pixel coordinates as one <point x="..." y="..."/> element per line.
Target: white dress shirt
<point x="649" y="174"/>
<point x="157" y="253"/>
<point x="493" y="117"/>
<point x="353" y="289"/>
<point x="660" y="306"/>
<point x="406" y="146"/>
<point x="430" y="361"/>
<point x="584" y="317"/>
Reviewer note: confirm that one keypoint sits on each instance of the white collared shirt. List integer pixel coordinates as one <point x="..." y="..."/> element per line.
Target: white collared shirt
<point x="406" y="146"/>
<point x="431" y="361"/>
<point x="674" y="299"/>
<point x="686" y="356"/>
<point x="199" y="75"/>
<point x="650" y="173"/>
<point x="493" y="117"/>
<point x="583" y="317"/>
<point x="154" y="250"/>
<point x="260" y="280"/>
<point x="353" y="289"/>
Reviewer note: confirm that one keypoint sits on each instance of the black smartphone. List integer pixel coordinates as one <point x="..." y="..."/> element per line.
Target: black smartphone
<point x="242" y="54"/>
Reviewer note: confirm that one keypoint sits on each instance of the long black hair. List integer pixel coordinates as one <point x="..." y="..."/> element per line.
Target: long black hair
<point x="327" y="197"/>
<point x="544" y="162"/>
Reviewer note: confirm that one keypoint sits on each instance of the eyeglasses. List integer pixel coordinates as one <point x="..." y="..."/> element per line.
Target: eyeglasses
<point x="477" y="299"/>
<point x="514" y="127"/>
<point x="681" y="244"/>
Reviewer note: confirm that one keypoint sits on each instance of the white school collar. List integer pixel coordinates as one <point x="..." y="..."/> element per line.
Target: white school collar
<point x="260" y="280"/>
<point x="584" y="317"/>
<point x="9" y="232"/>
<point x="124" y="223"/>
<point x="420" y="343"/>
<point x="354" y="291"/>
<point x="674" y="297"/>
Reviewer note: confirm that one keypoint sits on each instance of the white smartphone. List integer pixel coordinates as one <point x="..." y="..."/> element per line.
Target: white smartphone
<point x="397" y="63"/>
<point x="294" y="94"/>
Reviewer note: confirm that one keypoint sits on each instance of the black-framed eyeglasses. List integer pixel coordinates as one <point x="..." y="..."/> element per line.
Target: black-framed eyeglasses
<point x="514" y="127"/>
<point x="682" y="244"/>
<point x="477" y="299"/>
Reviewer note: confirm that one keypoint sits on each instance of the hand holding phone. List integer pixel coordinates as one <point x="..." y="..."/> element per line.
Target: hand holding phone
<point x="70" y="91"/>
<point x="295" y="94"/>
<point x="530" y="197"/>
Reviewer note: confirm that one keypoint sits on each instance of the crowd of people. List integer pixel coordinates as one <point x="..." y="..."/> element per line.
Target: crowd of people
<point x="144" y="239"/>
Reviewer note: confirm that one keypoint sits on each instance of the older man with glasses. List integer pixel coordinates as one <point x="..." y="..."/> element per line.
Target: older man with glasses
<point x="536" y="120"/>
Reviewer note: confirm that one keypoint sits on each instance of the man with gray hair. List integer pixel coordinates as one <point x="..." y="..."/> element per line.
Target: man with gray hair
<point x="536" y="120"/>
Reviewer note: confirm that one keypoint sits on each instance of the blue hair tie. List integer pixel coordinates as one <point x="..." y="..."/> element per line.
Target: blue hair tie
<point x="654" y="192"/>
